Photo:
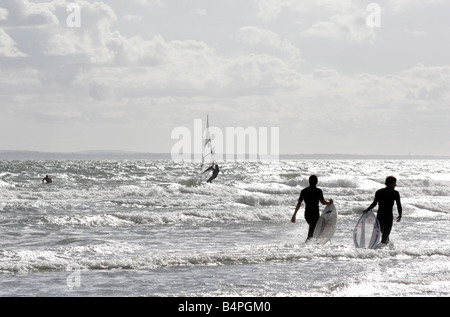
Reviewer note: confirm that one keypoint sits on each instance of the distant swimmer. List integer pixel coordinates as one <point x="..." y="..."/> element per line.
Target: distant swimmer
<point x="215" y="173"/>
<point x="46" y="180"/>
<point x="312" y="196"/>
<point x="385" y="198"/>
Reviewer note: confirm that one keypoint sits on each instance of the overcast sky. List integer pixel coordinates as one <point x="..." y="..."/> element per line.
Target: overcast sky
<point x="136" y="70"/>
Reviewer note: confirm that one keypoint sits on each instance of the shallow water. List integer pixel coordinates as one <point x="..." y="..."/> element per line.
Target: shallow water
<point x="149" y="228"/>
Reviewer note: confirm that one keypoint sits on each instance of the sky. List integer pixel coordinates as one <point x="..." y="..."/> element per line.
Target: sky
<point x="332" y="76"/>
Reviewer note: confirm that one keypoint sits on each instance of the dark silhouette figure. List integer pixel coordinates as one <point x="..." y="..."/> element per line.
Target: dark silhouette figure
<point x="385" y="198"/>
<point x="312" y="196"/>
<point x="214" y="174"/>
<point x="46" y="180"/>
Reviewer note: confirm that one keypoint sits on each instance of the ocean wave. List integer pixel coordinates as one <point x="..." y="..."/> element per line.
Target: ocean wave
<point x="260" y="200"/>
<point x="429" y="208"/>
<point x="198" y="217"/>
<point x="340" y="182"/>
<point x="290" y="175"/>
<point x="101" y="220"/>
<point x="153" y="185"/>
<point x="152" y="216"/>
<point x="424" y="186"/>
<point x="114" y="256"/>
<point x="5" y="181"/>
<point x="190" y="182"/>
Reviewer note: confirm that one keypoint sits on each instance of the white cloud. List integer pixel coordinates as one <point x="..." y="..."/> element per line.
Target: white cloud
<point x="351" y="28"/>
<point x="406" y="5"/>
<point x="134" y="18"/>
<point x="254" y="36"/>
<point x="270" y="10"/>
<point x="24" y="13"/>
<point x="150" y="3"/>
<point x="3" y="14"/>
<point x="95" y="39"/>
<point x="8" y="47"/>
<point x="282" y="63"/>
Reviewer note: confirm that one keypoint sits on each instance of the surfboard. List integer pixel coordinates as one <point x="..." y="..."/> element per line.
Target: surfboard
<point x="367" y="231"/>
<point x="326" y="225"/>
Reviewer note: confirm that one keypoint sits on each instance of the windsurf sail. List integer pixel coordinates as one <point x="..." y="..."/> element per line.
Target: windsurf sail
<point x="207" y="154"/>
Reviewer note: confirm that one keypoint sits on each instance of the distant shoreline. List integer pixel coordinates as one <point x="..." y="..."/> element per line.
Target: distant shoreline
<point x="124" y="155"/>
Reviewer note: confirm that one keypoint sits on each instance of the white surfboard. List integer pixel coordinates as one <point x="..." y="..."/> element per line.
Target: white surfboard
<point x="367" y="232"/>
<point x="326" y="225"/>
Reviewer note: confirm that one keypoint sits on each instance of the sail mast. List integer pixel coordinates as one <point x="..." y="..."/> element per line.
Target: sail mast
<point x="207" y="152"/>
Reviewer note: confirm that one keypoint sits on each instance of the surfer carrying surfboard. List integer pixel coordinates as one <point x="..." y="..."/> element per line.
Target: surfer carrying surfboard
<point x="385" y="198"/>
<point x="312" y="195"/>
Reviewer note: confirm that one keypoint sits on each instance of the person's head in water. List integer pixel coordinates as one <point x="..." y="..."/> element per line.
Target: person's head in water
<point x="313" y="180"/>
<point x="391" y="181"/>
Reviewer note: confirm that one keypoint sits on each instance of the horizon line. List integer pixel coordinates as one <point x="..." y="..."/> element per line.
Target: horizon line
<point x="123" y="154"/>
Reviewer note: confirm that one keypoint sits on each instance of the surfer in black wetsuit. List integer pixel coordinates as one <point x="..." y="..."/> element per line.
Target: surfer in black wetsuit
<point x="385" y="198"/>
<point x="46" y="180"/>
<point x="312" y="196"/>
<point x="215" y="173"/>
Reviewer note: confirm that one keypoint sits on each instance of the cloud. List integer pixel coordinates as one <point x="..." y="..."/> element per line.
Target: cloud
<point x="351" y="28"/>
<point x="255" y="36"/>
<point x="407" y="5"/>
<point x="8" y="47"/>
<point x="133" y="18"/>
<point x="430" y="85"/>
<point x="94" y="39"/>
<point x="23" y="13"/>
<point x="284" y="63"/>
<point x="150" y="3"/>
<point x="336" y="20"/>
<point x="270" y="10"/>
<point x="3" y="14"/>
<point x="46" y="22"/>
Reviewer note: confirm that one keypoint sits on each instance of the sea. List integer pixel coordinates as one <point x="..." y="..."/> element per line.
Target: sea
<point x="150" y="228"/>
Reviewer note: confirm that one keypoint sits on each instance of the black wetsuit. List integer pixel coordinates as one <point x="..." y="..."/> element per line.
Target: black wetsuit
<point x="385" y="199"/>
<point x="214" y="175"/>
<point x="47" y="180"/>
<point x="311" y="196"/>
